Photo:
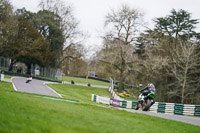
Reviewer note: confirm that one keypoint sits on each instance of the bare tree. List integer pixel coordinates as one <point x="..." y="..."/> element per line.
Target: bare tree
<point x="120" y="56"/>
<point x="185" y="63"/>
<point x="118" y="49"/>
<point x="123" y="24"/>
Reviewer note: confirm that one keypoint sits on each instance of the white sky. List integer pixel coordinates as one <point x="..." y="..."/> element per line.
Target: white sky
<point x="91" y="13"/>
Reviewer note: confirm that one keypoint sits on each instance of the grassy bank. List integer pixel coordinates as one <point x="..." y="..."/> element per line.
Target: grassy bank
<point x="27" y="113"/>
<point x="78" y="93"/>
<point x="84" y="81"/>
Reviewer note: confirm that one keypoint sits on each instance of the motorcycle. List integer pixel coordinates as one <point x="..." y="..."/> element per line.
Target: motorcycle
<point x="28" y="79"/>
<point x="145" y="102"/>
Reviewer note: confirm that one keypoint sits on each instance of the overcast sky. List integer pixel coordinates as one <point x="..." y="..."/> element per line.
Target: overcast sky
<point x="91" y="13"/>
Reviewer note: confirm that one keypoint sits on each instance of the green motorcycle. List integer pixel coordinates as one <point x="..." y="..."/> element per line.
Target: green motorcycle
<point x="145" y="102"/>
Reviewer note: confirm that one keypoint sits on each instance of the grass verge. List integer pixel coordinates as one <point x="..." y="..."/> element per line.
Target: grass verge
<point x="22" y="113"/>
<point x="8" y="76"/>
<point x="78" y="93"/>
<point x="84" y="81"/>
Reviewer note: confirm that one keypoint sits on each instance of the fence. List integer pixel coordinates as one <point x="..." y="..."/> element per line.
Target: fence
<point x="125" y="86"/>
<point x="21" y="68"/>
<point x="4" y="62"/>
<point x="51" y="72"/>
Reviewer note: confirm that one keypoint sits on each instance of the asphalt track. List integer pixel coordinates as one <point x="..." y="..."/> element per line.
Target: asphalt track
<point x="35" y="86"/>
<point x="180" y="118"/>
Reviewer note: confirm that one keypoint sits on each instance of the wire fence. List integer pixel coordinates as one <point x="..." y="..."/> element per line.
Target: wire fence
<point x="4" y="63"/>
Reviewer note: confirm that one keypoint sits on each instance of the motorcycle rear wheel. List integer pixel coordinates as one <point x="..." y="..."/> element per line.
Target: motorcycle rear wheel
<point x="146" y="105"/>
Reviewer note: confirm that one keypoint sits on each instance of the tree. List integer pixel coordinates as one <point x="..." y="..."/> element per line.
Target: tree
<point x="124" y="24"/>
<point x="69" y="25"/>
<point x="32" y="47"/>
<point x="49" y="26"/>
<point x="72" y="59"/>
<point x="68" y="22"/>
<point x="178" y="24"/>
<point x="184" y="69"/>
<point x="178" y="77"/>
<point x="178" y="45"/>
<point x="8" y="32"/>
<point x="119" y="39"/>
<point x="119" y="56"/>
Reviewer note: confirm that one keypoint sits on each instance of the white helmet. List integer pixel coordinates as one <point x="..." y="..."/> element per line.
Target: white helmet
<point x="151" y="86"/>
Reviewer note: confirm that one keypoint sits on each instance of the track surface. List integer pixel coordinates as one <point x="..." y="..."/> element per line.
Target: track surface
<point x="185" y="119"/>
<point x="35" y="86"/>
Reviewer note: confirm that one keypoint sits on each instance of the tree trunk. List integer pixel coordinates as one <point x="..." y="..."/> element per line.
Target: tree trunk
<point x="28" y="69"/>
<point x="121" y="80"/>
<point x="120" y="83"/>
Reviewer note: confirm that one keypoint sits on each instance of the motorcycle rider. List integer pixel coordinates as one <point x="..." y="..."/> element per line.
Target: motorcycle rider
<point x="148" y="89"/>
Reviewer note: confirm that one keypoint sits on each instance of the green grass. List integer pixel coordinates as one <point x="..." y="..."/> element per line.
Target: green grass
<point x="84" y="81"/>
<point x="27" y="113"/>
<point x="8" y="76"/>
<point x="4" y="68"/>
<point x="48" y="78"/>
<point x="78" y="93"/>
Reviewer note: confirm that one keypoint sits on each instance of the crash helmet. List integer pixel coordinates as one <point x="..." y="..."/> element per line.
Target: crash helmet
<point x="151" y="87"/>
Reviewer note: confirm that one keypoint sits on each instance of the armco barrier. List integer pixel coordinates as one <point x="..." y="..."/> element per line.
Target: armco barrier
<point x="114" y="95"/>
<point x="169" y="108"/>
<point x="157" y="107"/>
<point x="99" y="99"/>
<point x="197" y="110"/>
<point x="154" y="107"/>
<point x="133" y="104"/>
<point x="178" y="109"/>
<point x="103" y="100"/>
<point x="161" y="107"/>
<point x="116" y="103"/>
<point x="123" y="104"/>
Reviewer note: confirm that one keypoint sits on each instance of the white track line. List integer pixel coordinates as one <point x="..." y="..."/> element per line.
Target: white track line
<point x="51" y="88"/>
<point x="13" y="83"/>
